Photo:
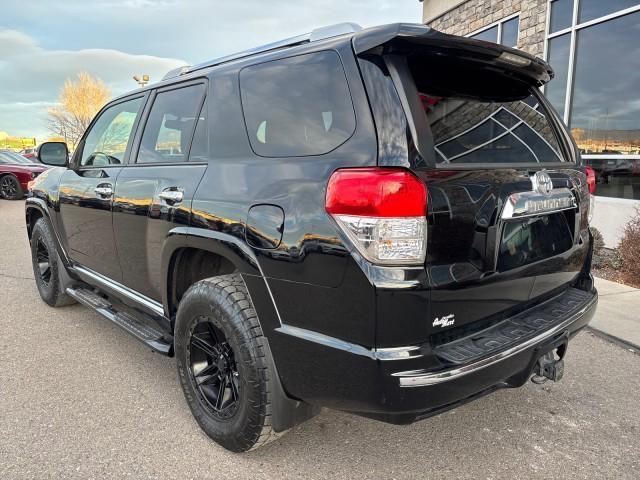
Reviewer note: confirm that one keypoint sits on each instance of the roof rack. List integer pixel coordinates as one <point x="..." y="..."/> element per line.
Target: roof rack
<point x="313" y="36"/>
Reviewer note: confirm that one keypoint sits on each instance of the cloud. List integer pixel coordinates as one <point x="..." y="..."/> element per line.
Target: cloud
<point x="31" y="77"/>
<point x="115" y="39"/>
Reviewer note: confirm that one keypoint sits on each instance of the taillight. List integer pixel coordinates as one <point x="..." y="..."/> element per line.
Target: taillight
<point x="382" y="211"/>
<point x="591" y="179"/>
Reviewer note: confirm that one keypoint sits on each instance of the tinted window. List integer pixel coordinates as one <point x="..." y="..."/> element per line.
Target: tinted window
<point x="561" y="15"/>
<point x="297" y="106"/>
<point x="200" y="145"/>
<point x="109" y="136"/>
<point x="472" y="131"/>
<point x="167" y="133"/>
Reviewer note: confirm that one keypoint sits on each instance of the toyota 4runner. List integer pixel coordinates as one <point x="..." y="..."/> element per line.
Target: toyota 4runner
<point x="390" y="221"/>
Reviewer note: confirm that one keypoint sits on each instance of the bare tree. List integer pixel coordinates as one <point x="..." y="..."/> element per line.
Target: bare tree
<point x="79" y="101"/>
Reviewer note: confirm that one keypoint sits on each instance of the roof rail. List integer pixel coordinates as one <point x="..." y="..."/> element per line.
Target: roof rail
<point x="176" y="72"/>
<point x="315" y="35"/>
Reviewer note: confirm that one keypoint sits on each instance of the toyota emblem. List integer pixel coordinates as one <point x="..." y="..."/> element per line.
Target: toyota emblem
<point x="542" y="183"/>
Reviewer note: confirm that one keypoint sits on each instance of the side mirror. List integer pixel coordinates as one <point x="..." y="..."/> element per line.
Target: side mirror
<point x="54" y="153"/>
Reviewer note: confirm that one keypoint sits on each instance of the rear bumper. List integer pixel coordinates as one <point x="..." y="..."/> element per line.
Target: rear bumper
<point x="425" y="394"/>
<point x="407" y="384"/>
<point x="564" y="326"/>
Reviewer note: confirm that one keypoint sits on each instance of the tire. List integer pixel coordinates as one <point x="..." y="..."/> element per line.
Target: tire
<point x="10" y="188"/>
<point x="46" y="263"/>
<point x="219" y="310"/>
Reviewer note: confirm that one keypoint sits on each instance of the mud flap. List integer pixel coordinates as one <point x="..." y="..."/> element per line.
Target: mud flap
<point x="287" y="412"/>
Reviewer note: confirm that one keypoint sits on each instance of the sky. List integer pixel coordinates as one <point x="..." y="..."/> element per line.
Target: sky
<point x="43" y="42"/>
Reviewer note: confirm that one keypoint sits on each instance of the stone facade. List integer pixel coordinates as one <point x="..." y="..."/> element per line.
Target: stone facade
<point x="476" y="14"/>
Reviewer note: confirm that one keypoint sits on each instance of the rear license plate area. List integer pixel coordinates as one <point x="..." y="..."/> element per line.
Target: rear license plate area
<point x="532" y="239"/>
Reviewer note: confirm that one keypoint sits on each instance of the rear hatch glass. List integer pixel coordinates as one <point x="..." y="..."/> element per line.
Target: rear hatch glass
<point x="469" y="131"/>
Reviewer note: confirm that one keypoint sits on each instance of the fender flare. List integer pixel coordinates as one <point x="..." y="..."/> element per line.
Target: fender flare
<point x="287" y="412"/>
<point x="223" y="244"/>
<point x="34" y="203"/>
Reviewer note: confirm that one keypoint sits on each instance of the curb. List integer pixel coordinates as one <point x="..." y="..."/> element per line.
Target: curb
<point x="612" y="338"/>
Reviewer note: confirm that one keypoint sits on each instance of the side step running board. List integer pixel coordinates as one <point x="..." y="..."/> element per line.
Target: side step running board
<point x="143" y="332"/>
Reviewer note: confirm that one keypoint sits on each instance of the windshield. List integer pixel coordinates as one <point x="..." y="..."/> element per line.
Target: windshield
<point x="473" y="131"/>
<point x="13" y="159"/>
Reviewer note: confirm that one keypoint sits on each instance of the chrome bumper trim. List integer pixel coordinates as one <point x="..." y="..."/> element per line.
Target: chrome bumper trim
<point x="383" y="354"/>
<point x="418" y="378"/>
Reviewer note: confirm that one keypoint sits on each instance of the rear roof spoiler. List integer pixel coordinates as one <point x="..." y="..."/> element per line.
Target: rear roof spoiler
<point x="403" y="38"/>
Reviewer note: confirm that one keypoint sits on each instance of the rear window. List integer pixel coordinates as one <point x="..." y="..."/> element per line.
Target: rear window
<point x="472" y="131"/>
<point x="297" y="106"/>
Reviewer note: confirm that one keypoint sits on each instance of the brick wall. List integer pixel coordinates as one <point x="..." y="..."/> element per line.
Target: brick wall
<point x="475" y="14"/>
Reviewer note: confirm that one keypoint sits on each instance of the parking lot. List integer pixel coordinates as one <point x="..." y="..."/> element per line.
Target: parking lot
<point x="80" y="398"/>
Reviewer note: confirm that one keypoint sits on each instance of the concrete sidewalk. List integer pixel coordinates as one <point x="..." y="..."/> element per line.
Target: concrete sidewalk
<point x="618" y="315"/>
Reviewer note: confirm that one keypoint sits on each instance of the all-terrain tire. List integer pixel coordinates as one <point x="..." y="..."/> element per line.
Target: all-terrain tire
<point x="225" y="302"/>
<point x="47" y="278"/>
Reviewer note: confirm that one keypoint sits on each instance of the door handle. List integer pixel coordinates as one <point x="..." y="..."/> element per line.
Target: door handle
<point x="104" y="190"/>
<point x="172" y="196"/>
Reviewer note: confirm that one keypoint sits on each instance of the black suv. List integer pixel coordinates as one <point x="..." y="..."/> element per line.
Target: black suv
<point x="390" y="222"/>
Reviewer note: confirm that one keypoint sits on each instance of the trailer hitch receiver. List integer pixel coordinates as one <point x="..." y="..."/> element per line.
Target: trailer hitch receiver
<point x="550" y="366"/>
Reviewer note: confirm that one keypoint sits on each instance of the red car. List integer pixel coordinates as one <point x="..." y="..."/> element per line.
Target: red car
<point x="31" y="153"/>
<point x="15" y="173"/>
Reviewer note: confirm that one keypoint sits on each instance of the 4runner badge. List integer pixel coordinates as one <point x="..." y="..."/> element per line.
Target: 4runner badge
<point x="445" y="321"/>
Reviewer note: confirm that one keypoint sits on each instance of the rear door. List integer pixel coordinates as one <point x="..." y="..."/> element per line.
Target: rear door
<point x="154" y="191"/>
<point x="507" y="206"/>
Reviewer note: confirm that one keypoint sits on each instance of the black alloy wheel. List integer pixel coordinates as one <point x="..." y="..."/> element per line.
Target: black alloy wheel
<point x="10" y="188"/>
<point x="223" y="361"/>
<point x="44" y="262"/>
<point x="213" y="369"/>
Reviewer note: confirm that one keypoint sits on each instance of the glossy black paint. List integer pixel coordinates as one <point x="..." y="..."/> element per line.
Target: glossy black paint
<point x="338" y="327"/>
<point x="85" y="219"/>
<point x="142" y="220"/>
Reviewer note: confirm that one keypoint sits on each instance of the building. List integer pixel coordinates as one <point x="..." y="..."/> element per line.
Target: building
<point x="594" y="48"/>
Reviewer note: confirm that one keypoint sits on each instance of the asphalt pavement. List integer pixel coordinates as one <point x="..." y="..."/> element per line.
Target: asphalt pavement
<point x="80" y="398"/>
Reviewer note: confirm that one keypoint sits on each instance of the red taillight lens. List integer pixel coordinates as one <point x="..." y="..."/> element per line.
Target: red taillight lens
<point x="376" y="192"/>
<point x="591" y="179"/>
<point x="382" y="211"/>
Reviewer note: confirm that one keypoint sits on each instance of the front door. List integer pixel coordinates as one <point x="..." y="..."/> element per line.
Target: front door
<point x="154" y="192"/>
<point x="86" y="189"/>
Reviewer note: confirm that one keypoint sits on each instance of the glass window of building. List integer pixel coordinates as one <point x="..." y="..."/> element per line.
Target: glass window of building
<point x="590" y="9"/>
<point x="504" y="32"/>
<point x="597" y="65"/>
<point x="510" y="32"/>
<point x="558" y="57"/>
<point x="488" y="35"/>
<point x="561" y="15"/>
